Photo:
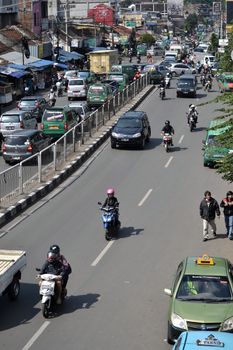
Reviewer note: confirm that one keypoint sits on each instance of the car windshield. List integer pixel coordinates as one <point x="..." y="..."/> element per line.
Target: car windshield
<point x="116" y="77"/>
<point x="229" y="80"/>
<point x="185" y="83"/>
<point x="76" y="82"/>
<point x="211" y="140"/>
<point x="71" y="73"/>
<point x="12" y="118"/>
<point x="27" y="103"/>
<point x="97" y="90"/>
<point x="51" y="116"/>
<point x="17" y="140"/>
<point x="204" y="288"/>
<point x="129" y="123"/>
<point x="83" y="74"/>
<point x="78" y="110"/>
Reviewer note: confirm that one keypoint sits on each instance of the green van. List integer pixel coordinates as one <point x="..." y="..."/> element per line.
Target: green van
<point x="121" y="78"/>
<point x="225" y="82"/>
<point x="214" y="153"/>
<point x="56" y="121"/>
<point x="98" y="94"/>
<point x="129" y="69"/>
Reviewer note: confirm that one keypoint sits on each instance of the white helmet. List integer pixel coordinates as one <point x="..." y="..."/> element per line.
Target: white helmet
<point x="192" y="106"/>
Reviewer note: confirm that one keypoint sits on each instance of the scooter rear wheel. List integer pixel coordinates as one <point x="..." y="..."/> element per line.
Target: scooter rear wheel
<point x="45" y="309"/>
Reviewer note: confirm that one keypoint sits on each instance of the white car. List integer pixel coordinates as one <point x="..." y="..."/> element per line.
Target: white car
<point x="77" y="87"/>
<point x="181" y="68"/>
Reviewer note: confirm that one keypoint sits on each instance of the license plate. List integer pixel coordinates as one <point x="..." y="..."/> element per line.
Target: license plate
<point x="124" y="139"/>
<point x="53" y="127"/>
<point x="10" y="127"/>
<point x="185" y="92"/>
<point x="16" y="158"/>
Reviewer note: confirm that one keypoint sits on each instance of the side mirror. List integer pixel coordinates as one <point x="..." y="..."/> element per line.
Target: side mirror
<point x="99" y="203"/>
<point x="37" y="269"/>
<point x="168" y="292"/>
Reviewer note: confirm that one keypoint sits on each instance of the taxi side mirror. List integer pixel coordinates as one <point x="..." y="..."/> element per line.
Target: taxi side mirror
<point x="168" y="291"/>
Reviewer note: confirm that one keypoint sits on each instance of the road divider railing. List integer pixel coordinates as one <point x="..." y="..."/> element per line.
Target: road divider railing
<point x="40" y="167"/>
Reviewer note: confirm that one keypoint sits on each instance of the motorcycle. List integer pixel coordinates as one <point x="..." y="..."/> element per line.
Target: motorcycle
<point x="110" y="223"/>
<point x="203" y="79"/>
<point x="162" y="92"/>
<point x="59" y="89"/>
<point x="167" y="82"/>
<point x="192" y="123"/>
<point x="52" y="102"/>
<point x="167" y="141"/>
<point x="48" y="292"/>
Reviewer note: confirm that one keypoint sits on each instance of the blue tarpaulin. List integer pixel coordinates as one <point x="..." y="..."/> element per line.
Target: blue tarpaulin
<point x="68" y="56"/>
<point x="15" y="73"/>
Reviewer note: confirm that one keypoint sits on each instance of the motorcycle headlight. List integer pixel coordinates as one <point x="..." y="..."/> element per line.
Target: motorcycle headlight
<point x="114" y="134"/>
<point x="178" y="322"/>
<point x="227" y="325"/>
<point x="137" y="135"/>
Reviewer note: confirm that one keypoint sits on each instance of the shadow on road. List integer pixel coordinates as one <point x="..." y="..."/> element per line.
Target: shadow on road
<point x="201" y="95"/>
<point x="21" y="311"/>
<point x="202" y="128"/>
<point x="177" y="149"/>
<point x="129" y="231"/>
<point x="153" y="143"/>
<point x="77" y="302"/>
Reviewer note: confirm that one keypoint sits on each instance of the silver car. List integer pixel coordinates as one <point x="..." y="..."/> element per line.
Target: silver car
<point x="77" y="87"/>
<point x="181" y="68"/>
<point x="82" y="109"/>
<point x="16" y="120"/>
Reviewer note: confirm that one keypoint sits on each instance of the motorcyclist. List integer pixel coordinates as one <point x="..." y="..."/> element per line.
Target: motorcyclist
<point x="66" y="266"/>
<point x="112" y="201"/>
<point x="167" y="79"/>
<point x="168" y="129"/>
<point x="59" y="87"/>
<point x="54" y="266"/>
<point x="138" y="58"/>
<point x="192" y="112"/>
<point x="52" y="97"/>
<point x="137" y="75"/>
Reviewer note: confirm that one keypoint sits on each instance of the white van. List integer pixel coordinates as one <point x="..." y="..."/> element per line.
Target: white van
<point x="173" y="54"/>
<point x="176" y="47"/>
<point x="209" y="59"/>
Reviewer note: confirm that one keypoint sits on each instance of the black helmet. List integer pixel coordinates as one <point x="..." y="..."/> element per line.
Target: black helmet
<point x="51" y="256"/>
<point x="167" y="122"/>
<point x="55" y="249"/>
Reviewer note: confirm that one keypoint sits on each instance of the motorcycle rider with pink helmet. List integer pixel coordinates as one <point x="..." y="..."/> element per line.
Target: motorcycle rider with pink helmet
<point x="112" y="201"/>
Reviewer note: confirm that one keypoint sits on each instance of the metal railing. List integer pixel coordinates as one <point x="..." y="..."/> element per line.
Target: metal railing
<point x="26" y="175"/>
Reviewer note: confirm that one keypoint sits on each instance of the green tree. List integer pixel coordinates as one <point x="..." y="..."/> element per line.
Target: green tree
<point x="214" y="43"/>
<point x="147" y="39"/>
<point x="132" y="39"/>
<point x="226" y="62"/>
<point x="191" y="22"/>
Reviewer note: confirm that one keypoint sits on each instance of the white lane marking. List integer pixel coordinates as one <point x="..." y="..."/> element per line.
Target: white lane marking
<point x="104" y="251"/>
<point x="181" y="139"/>
<point x="168" y="162"/>
<point x="145" y="197"/>
<point x="36" y="335"/>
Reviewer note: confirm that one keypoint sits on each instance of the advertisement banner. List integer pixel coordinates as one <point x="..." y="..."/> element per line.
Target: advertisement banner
<point x="175" y="7"/>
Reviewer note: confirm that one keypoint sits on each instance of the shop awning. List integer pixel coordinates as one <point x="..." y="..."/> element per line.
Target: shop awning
<point x="60" y="65"/>
<point x="40" y="64"/>
<point x="12" y="72"/>
<point x="68" y="56"/>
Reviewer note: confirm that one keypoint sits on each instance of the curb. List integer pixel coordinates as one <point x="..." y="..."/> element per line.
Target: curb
<point x="14" y="210"/>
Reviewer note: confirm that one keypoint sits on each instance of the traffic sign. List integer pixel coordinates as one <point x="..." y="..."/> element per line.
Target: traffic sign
<point x="217" y="8"/>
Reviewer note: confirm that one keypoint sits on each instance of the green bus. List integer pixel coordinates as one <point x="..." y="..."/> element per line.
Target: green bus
<point x="214" y="153"/>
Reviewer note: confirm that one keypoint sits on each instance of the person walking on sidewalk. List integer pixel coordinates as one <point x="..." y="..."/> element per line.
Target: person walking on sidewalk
<point x="227" y="205"/>
<point x="209" y="208"/>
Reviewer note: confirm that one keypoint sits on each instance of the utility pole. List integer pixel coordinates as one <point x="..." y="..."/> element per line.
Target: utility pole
<point x="66" y="22"/>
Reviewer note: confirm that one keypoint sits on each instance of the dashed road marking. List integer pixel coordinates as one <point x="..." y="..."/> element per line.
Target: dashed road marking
<point x="145" y="197"/>
<point x="168" y="162"/>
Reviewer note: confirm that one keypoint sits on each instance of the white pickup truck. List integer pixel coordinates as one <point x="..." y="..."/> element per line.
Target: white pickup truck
<point x="12" y="262"/>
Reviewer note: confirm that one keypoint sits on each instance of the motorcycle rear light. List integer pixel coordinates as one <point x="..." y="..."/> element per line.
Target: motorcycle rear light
<point x="66" y="126"/>
<point x="4" y="148"/>
<point x="21" y="125"/>
<point x="42" y="126"/>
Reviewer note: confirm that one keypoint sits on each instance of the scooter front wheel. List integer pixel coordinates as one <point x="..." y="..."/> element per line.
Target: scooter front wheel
<point x="45" y="309"/>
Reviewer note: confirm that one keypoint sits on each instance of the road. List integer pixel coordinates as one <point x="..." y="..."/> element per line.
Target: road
<point x="115" y="293"/>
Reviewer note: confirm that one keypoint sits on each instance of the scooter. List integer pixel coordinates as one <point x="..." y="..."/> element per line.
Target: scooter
<point x="208" y="85"/>
<point x="109" y="218"/>
<point x="167" y="82"/>
<point x="192" y="123"/>
<point x="167" y="141"/>
<point x="162" y="92"/>
<point x="59" y="89"/>
<point x="49" y="293"/>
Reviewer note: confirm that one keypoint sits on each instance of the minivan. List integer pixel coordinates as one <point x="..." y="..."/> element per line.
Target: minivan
<point x="56" y="121"/>
<point x="98" y="94"/>
<point x="15" y="120"/>
<point x="77" y="87"/>
<point x="213" y="152"/>
<point x="125" y="68"/>
<point x="186" y="85"/>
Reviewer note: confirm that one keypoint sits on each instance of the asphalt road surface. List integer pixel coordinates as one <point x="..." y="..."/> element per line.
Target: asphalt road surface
<point x="115" y="293"/>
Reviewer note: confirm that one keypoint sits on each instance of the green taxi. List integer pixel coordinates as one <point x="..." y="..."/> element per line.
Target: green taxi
<point x="126" y="68"/>
<point x="213" y="152"/>
<point x="201" y="296"/>
<point x="98" y="94"/>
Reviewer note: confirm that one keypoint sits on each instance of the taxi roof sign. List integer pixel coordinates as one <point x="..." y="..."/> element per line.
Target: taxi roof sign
<point x="210" y="341"/>
<point x="205" y="259"/>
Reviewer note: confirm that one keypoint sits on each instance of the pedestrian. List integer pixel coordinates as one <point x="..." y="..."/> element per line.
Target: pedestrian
<point x="227" y="205"/>
<point x="209" y="208"/>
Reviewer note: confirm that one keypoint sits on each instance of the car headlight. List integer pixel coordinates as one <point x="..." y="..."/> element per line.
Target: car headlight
<point x="114" y="134"/>
<point x="191" y="89"/>
<point x="178" y="322"/>
<point x="137" y="135"/>
<point x="227" y="325"/>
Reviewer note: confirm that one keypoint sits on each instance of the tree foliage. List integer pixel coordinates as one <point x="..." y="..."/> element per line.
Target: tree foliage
<point x="226" y="62"/>
<point x="132" y="39"/>
<point x="214" y="43"/>
<point x="191" y="22"/>
<point x="147" y="38"/>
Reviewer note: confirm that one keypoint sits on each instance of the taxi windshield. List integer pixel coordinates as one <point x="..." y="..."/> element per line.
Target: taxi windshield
<point x="205" y="288"/>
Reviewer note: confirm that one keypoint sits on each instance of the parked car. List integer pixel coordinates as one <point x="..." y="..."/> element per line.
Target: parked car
<point x="132" y="129"/>
<point x="82" y="110"/>
<point x="201" y="296"/>
<point x="98" y="94"/>
<point x="17" y="119"/>
<point x="35" y="104"/>
<point x="56" y="121"/>
<point x="77" y="88"/>
<point x="22" y="144"/>
<point x="181" y="68"/>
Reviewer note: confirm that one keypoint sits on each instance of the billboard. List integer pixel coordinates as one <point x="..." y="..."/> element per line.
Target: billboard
<point x="175" y="7"/>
